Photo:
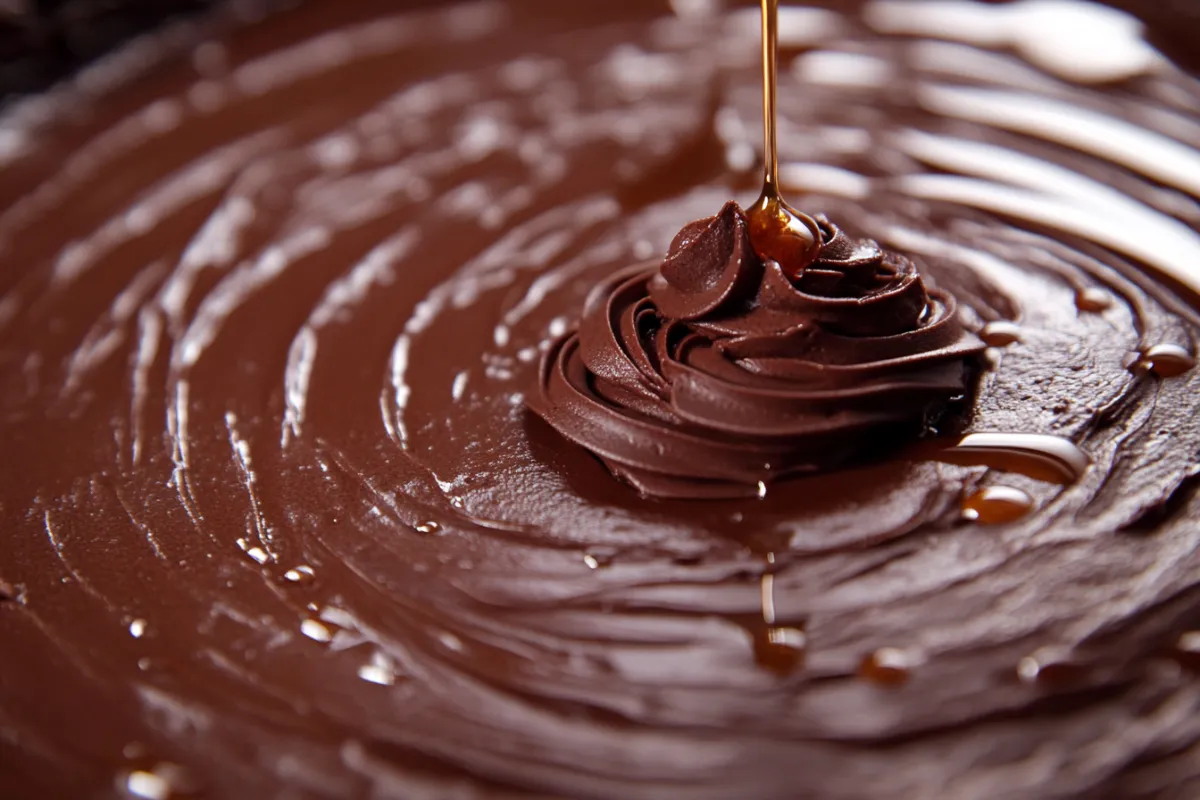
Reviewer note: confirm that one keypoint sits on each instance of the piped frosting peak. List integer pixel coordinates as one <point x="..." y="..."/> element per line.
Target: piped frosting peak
<point x="718" y="370"/>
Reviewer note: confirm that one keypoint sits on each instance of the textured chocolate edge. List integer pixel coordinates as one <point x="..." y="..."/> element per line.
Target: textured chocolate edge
<point x="42" y="41"/>
<point x="45" y="41"/>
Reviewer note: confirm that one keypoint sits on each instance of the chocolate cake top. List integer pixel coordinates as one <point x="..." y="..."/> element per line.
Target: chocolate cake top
<point x="277" y="519"/>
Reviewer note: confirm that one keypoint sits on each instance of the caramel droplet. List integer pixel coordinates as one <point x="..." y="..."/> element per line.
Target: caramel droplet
<point x="598" y="559"/>
<point x="888" y="666"/>
<point x="780" y="233"/>
<point x="1092" y="300"/>
<point x="1051" y="666"/>
<point x="995" y="505"/>
<point x="1165" y="360"/>
<point x="160" y="782"/>
<point x="1000" y="333"/>
<point x="428" y="527"/>
<point x="302" y="575"/>
<point x="379" y="670"/>
<point x="780" y="650"/>
<point x="1187" y="650"/>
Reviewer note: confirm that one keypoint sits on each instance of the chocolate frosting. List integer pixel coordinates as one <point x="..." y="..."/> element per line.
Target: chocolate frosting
<point x="275" y="520"/>
<point x="716" y="373"/>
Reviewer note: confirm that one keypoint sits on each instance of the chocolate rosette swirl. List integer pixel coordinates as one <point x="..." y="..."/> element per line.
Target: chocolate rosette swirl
<point x="715" y="371"/>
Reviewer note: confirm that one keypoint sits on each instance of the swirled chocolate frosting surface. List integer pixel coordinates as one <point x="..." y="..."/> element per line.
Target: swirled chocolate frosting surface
<point x="277" y="521"/>
<point x="719" y="370"/>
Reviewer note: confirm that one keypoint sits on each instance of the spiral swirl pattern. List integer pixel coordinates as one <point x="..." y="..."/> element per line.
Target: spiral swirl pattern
<point x="717" y="373"/>
<point x="276" y="521"/>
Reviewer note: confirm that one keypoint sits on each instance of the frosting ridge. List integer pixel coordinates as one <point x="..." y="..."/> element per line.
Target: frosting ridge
<point x="714" y="373"/>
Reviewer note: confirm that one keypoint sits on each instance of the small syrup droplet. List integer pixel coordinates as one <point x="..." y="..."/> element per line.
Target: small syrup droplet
<point x="1165" y="360"/>
<point x="1000" y="333"/>
<point x="147" y="785"/>
<point x="429" y="527"/>
<point x="302" y="575"/>
<point x="258" y="555"/>
<point x="160" y="782"/>
<point x="1187" y="650"/>
<point x="888" y="666"/>
<point x="137" y="628"/>
<point x="780" y="649"/>
<point x="995" y="505"/>
<point x="761" y="490"/>
<point x="599" y="558"/>
<point x="1092" y="300"/>
<point x="316" y="631"/>
<point x="451" y="642"/>
<point x="379" y="670"/>
<point x="1051" y="666"/>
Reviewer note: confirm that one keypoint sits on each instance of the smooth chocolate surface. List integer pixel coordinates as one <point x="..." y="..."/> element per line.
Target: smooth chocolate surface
<point x="276" y="521"/>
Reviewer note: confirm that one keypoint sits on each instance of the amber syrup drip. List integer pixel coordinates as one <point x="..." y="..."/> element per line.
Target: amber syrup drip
<point x="777" y="230"/>
<point x="778" y="649"/>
